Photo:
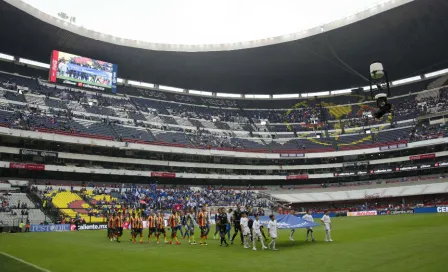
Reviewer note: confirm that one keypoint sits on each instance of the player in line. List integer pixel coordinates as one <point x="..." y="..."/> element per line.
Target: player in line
<point x="179" y="223"/>
<point x="116" y="230"/>
<point x="260" y="212"/>
<point x="110" y="227"/>
<point x="173" y="222"/>
<point x="132" y="226"/>
<point x="190" y="223"/>
<point x="138" y="229"/>
<point x="236" y="222"/>
<point x="120" y="224"/>
<point x="221" y="224"/>
<point x="151" y="227"/>
<point x="217" y="229"/>
<point x="229" y="220"/>
<point x="207" y="225"/>
<point x="202" y="218"/>
<point x="272" y="232"/>
<point x="309" y="218"/>
<point x="257" y="233"/>
<point x="327" y="223"/>
<point x="291" y="235"/>
<point x="183" y="224"/>
<point x="160" y="227"/>
<point x="245" y="230"/>
<point x="250" y="224"/>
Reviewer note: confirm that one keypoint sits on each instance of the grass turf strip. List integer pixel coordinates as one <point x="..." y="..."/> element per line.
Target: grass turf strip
<point x="379" y="243"/>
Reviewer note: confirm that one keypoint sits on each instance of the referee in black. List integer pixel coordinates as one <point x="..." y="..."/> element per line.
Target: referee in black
<point x="222" y="225"/>
<point x="236" y="218"/>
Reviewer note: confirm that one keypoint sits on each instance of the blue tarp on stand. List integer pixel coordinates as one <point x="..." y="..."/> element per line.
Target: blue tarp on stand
<point x="288" y="222"/>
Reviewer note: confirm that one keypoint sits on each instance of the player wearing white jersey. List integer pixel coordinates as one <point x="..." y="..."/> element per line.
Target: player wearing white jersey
<point x="256" y="228"/>
<point x="244" y="222"/>
<point x="62" y="68"/>
<point x="228" y="227"/>
<point x="326" y="220"/>
<point x="308" y="217"/>
<point x="291" y="235"/>
<point x="272" y="232"/>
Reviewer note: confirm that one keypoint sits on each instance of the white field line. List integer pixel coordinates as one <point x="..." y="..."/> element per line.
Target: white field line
<point x="25" y="262"/>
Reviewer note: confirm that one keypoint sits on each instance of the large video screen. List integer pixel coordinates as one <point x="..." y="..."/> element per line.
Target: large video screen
<point x="82" y="72"/>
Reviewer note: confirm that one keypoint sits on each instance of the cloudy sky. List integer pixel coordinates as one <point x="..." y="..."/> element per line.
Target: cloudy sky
<point x="202" y="21"/>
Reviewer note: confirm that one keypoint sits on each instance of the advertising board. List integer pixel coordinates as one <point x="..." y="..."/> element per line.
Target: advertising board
<point x="78" y="71"/>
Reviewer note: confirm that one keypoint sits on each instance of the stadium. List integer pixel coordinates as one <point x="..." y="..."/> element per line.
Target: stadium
<point x="320" y="148"/>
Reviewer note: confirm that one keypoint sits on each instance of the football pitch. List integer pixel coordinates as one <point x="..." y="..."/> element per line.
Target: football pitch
<point x="84" y="81"/>
<point x="380" y="243"/>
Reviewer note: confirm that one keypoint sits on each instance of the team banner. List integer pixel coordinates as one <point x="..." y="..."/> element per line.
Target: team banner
<point x="39" y="153"/>
<point x="288" y="222"/>
<point x="50" y="228"/>
<point x="82" y="72"/>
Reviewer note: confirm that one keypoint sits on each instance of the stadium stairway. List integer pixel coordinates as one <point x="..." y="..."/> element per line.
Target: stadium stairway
<point x="439" y="82"/>
<point x="222" y="125"/>
<point x="136" y="115"/>
<point x="116" y="134"/>
<point x="267" y="145"/>
<point x="35" y="99"/>
<point x="196" y="123"/>
<point x="133" y="134"/>
<point x="150" y="134"/>
<point x="35" y="215"/>
<point x="168" y="120"/>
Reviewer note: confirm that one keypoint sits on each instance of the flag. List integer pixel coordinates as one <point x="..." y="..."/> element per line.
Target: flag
<point x="288" y="222"/>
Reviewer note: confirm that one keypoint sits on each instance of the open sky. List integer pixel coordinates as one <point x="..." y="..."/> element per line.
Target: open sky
<point x="202" y="21"/>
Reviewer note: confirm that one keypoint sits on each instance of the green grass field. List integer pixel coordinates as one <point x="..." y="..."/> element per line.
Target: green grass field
<point x="381" y="243"/>
<point x="84" y="81"/>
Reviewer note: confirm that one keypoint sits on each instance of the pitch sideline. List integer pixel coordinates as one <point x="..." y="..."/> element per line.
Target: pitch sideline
<point x="25" y="262"/>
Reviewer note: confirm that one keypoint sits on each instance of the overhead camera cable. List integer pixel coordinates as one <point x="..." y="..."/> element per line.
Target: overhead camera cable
<point x="341" y="61"/>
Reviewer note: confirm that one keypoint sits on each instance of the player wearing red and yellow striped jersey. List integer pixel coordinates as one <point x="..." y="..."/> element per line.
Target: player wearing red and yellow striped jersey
<point x="117" y="224"/>
<point x="110" y="227"/>
<point x="202" y="218"/>
<point x="151" y="226"/>
<point x="138" y="222"/>
<point x="120" y="224"/>
<point x="173" y="223"/>
<point x="160" y="227"/>
<point x="131" y="225"/>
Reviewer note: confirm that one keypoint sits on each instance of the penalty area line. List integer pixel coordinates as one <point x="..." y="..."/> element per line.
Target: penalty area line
<point x="24" y="262"/>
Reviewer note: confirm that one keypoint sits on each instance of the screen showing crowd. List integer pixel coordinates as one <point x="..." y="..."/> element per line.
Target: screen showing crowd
<point x="82" y="72"/>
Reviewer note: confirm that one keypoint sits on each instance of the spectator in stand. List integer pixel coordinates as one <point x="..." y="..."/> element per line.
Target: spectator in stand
<point x="27" y="226"/>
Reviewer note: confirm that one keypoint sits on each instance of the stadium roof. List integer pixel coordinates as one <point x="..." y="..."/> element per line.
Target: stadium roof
<point x="409" y="39"/>
<point x="219" y="24"/>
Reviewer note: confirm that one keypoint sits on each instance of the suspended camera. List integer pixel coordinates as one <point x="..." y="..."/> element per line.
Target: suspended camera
<point x="379" y="89"/>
